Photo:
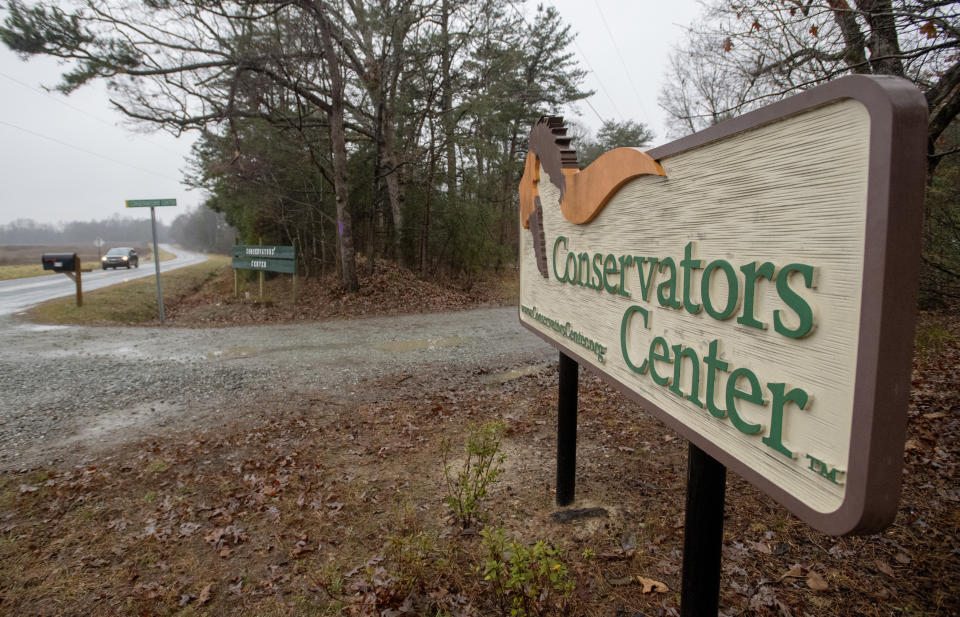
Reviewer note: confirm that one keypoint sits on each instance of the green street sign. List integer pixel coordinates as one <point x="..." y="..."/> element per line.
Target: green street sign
<point x="265" y="258"/>
<point x="150" y="203"/>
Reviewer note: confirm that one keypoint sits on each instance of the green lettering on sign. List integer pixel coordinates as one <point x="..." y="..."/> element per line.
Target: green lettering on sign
<point x="266" y="258"/>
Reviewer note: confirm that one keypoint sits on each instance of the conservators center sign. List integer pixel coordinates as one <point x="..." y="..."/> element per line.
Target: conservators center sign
<point x="753" y="285"/>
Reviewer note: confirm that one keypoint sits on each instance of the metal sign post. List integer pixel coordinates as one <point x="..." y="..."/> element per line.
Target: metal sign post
<point x="153" y="204"/>
<point x="156" y="261"/>
<point x="702" y="534"/>
<point x="567" y="431"/>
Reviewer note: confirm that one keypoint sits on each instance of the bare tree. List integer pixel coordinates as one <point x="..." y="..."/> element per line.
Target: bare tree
<point x="189" y="65"/>
<point x="746" y="54"/>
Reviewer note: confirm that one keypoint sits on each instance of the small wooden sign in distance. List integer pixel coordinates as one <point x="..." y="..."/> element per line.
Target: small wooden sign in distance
<point x="265" y="258"/>
<point x="753" y="285"/>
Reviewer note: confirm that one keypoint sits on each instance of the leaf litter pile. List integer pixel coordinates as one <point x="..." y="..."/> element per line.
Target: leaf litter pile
<point x="337" y="507"/>
<point x="386" y="289"/>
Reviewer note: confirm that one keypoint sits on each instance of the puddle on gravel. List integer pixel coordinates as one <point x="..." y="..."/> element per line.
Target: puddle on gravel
<point x="236" y="353"/>
<point x="522" y="371"/>
<point x="123" y="424"/>
<point x="417" y="344"/>
<point x="41" y="327"/>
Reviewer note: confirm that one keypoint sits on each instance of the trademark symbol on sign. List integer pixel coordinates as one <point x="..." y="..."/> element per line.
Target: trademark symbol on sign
<point x="830" y="473"/>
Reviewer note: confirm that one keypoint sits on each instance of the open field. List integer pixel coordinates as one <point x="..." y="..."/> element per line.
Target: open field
<point x="132" y="302"/>
<point x="23" y="261"/>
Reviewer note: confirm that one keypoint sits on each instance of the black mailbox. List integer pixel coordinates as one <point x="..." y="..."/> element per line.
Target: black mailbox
<point x="60" y="262"/>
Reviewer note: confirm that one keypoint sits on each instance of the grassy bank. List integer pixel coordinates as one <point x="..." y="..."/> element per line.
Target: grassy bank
<point x="133" y="302"/>
<point x="18" y="272"/>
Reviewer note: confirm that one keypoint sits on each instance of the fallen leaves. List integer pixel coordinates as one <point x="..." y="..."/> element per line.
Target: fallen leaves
<point x="205" y="595"/>
<point x="302" y="546"/>
<point x="651" y="585"/>
<point x="231" y="533"/>
<point x="390" y="290"/>
<point x="816" y="582"/>
<point x="794" y="572"/>
<point x="814" y="579"/>
<point x="762" y="547"/>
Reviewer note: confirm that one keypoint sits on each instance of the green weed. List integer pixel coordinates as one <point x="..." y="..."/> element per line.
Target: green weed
<point x="931" y="340"/>
<point x="468" y="487"/>
<point x="527" y="581"/>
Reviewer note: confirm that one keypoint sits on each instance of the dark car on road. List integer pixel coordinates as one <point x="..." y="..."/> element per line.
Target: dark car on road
<point x="122" y="257"/>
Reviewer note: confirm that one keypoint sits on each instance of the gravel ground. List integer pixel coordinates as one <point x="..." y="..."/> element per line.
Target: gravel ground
<point x="66" y="391"/>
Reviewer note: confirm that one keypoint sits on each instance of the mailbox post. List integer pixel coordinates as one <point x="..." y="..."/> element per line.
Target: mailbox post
<point x="66" y="263"/>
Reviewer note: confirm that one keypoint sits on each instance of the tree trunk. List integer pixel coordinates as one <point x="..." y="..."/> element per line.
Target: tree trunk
<point x="425" y="235"/>
<point x="446" y="103"/>
<point x="391" y="169"/>
<point x="338" y="141"/>
<point x="883" y="41"/>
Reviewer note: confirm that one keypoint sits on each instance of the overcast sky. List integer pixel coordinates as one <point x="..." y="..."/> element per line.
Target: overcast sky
<point x="74" y="158"/>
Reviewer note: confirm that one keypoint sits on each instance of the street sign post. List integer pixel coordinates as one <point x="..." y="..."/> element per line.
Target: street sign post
<point x="152" y="204"/>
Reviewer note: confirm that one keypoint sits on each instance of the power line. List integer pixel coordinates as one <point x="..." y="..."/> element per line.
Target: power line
<point x="582" y="55"/>
<point x="626" y="69"/>
<point x="84" y="112"/>
<point x="85" y="151"/>
<point x="597" y="77"/>
<point x="590" y="105"/>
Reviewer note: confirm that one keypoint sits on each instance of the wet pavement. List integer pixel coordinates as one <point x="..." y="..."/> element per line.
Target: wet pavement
<point x="20" y="294"/>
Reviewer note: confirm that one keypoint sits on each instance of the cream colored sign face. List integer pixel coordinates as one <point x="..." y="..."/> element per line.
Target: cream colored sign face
<point x="726" y="295"/>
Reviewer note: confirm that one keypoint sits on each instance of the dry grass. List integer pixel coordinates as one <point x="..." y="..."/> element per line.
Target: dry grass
<point x="18" y="272"/>
<point x="132" y="302"/>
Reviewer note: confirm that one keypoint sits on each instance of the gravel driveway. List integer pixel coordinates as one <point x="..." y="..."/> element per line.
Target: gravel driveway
<point x="67" y="390"/>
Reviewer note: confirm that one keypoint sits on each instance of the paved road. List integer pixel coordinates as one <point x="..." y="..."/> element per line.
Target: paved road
<point x="20" y="294"/>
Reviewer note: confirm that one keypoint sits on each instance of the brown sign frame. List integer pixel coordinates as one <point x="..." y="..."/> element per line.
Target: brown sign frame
<point x="896" y="176"/>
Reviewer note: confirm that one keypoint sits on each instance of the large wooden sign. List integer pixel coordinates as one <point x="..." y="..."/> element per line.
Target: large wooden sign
<point x="753" y="285"/>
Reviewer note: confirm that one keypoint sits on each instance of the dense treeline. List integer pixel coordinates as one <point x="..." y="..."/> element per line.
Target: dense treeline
<point x="111" y="230"/>
<point x="388" y="128"/>
<point x="202" y="229"/>
<point x="198" y="229"/>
